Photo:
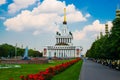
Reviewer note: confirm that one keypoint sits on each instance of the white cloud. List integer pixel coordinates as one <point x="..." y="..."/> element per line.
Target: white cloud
<point x="78" y="35"/>
<point x="43" y="18"/>
<point x="75" y="17"/>
<point x="36" y="32"/>
<point x="20" y="4"/>
<point x="2" y="2"/>
<point x="25" y="20"/>
<point x="2" y="18"/>
<point x="91" y="31"/>
<point x="87" y="15"/>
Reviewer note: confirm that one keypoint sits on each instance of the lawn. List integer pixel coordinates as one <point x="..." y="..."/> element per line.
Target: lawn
<point x="72" y="73"/>
<point x="6" y="74"/>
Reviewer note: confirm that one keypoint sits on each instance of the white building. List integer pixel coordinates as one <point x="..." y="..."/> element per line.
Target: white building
<point x="64" y="47"/>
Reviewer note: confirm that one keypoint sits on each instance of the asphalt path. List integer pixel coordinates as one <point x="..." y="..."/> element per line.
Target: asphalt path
<point x="94" y="71"/>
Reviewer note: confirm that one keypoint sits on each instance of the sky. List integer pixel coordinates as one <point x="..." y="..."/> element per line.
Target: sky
<point x="34" y="23"/>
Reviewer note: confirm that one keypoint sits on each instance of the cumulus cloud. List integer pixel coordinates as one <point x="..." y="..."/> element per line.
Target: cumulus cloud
<point x="78" y="35"/>
<point x="2" y="18"/>
<point x="20" y="4"/>
<point x="26" y="20"/>
<point x="2" y="2"/>
<point x="76" y="17"/>
<point x="91" y="30"/>
<point x="43" y="17"/>
<point x="87" y="15"/>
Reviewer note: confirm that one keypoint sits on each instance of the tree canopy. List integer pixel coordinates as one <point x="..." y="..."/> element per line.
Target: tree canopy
<point x="7" y="50"/>
<point x="108" y="46"/>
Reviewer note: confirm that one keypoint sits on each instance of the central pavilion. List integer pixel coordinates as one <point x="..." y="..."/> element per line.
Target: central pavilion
<point x="64" y="47"/>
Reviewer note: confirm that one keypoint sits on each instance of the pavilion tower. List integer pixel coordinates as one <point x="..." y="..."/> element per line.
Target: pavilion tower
<point x="63" y="47"/>
<point x="118" y="12"/>
<point x="64" y="37"/>
<point x="106" y="29"/>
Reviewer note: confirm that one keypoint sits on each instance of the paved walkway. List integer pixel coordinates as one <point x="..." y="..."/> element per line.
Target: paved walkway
<point x="94" y="71"/>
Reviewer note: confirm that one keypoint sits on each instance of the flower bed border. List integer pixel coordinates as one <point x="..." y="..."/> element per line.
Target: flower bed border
<point x="49" y="72"/>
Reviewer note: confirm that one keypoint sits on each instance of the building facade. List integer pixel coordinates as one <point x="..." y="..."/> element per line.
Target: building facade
<point x="64" y="47"/>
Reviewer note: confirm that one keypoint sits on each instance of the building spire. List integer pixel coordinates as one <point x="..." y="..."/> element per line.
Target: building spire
<point x="106" y="29"/>
<point x="118" y="11"/>
<point x="64" y="22"/>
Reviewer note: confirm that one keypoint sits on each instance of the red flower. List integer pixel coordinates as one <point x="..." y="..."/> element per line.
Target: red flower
<point x="49" y="72"/>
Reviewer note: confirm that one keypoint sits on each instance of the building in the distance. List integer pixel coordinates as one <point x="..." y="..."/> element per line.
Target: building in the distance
<point x="64" y="47"/>
<point x="118" y="12"/>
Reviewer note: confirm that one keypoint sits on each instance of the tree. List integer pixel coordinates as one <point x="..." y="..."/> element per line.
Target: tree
<point x="107" y="47"/>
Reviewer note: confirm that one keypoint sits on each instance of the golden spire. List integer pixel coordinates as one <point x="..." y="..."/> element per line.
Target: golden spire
<point x="64" y="22"/>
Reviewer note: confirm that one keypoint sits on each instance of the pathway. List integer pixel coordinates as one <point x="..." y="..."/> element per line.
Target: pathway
<point x="94" y="71"/>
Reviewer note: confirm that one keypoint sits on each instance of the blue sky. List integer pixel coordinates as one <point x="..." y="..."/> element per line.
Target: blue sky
<point x="33" y="23"/>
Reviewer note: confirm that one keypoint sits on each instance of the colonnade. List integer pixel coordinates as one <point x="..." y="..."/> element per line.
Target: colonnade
<point x="62" y="53"/>
<point x="63" y="40"/>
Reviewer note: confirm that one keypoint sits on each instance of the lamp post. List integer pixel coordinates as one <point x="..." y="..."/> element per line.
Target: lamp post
<point x="15" y="50"/>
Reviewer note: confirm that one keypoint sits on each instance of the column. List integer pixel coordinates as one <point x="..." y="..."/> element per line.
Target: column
<point x="65" y="53"/>
<point x="56" y="40"/>
<point x="60" y="54"/>
<point x="59" y="40"/>
<point x="71" y="53"/>
<point x="57" y="53"/>
<point x="49" y="54"/>
<point x="74" y="53"/>
<point x="63" y="40"/>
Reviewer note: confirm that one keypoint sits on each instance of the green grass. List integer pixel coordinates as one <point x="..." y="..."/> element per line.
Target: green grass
<point x="72" y="73"/>
<point x="6" y="74"/>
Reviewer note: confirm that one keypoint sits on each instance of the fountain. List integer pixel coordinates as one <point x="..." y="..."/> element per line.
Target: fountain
<point x="25" y="57"/>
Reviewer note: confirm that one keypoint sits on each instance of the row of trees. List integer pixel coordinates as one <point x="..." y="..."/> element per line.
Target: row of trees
<point x="108" y="46"/>
<point x="7" y="50"/>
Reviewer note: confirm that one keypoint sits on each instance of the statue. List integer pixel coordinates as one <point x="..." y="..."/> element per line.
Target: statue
<point x="25" y="57"/>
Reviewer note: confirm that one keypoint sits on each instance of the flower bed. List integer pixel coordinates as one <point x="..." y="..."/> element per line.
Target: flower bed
<point x="49" y="72"/>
